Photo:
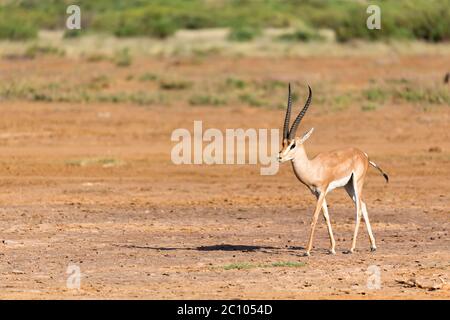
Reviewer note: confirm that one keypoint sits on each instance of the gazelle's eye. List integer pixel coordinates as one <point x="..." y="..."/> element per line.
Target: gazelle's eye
<point x="292" y="147"/>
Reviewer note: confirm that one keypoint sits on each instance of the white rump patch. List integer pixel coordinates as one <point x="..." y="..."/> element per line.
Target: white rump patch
<point x="339" y="183"/>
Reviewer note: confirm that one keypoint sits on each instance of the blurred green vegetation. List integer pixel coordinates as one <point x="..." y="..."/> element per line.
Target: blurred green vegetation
<point x="244" y="33"/>
<point x="147" y="89"/>
<point x="428" y="20"/>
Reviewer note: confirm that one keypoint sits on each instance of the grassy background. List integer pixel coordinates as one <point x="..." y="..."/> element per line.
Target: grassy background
<point x="427" y="20"/>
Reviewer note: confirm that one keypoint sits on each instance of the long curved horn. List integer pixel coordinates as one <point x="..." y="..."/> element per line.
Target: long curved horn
<point x="300" y="116"/>
<point x="288" y="115"/>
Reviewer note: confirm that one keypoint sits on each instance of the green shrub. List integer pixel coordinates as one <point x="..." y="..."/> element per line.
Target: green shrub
<point x="127" y="28"/>
<point x="369" y="107"/>
<point x="122" y="58"/>
<point x="273" y="84"/>
<point x="235" y="83"/>
<point x="35" y="50"/>
<point x="303" y="33"/>
<point x="423" y="95"/>
<point x="16" y="29"/>
<point x="375" y="94"/>
<point x="243" y="33"/>
<point x="72" y="33"/>
<point x="148" y="77"/>
<point x="130" y="26"/>
<point x="251" y="100"/>
<point x="174" y="84"/>
<point x="99" y="82"/>
<point x="162" y="28"/>
<point x="422" y="19"/>
<point x="432" y="22"/>
<point x="206" y="100"/>
<point x="96" y="57"/>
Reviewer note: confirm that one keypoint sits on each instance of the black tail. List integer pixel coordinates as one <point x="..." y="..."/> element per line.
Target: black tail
<point x="373" y="164"/>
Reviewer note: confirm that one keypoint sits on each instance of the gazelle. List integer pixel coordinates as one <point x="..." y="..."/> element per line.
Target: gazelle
<point x="328" y="170"/>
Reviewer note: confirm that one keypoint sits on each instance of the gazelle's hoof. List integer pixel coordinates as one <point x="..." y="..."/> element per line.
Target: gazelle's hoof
<point x="307" y="254"/>
<point x="332" y="251"/>
<point x="373" y="249"/>
<point x="349" y="251"/>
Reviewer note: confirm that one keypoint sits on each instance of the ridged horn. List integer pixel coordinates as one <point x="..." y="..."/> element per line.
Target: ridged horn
<point x="300" y="116"/>
<point x="288" y="115"/>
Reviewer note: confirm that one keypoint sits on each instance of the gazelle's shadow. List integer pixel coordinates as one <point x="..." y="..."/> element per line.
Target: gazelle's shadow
<point x="218" y="247"/>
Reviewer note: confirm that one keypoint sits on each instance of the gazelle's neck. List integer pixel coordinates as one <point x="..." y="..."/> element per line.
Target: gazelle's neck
<point x="301" y="164"/>
<point x="300" y="158"/>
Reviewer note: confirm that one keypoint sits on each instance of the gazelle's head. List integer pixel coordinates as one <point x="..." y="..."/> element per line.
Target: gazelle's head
<point x="291" y="143"/>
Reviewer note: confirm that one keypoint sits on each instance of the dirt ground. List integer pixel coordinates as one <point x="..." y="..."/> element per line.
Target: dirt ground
<point x="139" y="226"/>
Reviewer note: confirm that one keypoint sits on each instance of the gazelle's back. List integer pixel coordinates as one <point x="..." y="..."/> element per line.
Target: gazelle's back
<point x="340" y="163"/>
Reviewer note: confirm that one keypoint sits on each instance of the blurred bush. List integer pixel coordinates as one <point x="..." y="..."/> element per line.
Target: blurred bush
<point x="303" y="33"/>
<point x="122" y="58"/>
<point x="72" y="34"/>
<point x="243" y="33"/>
<point x="428" y="20"/>
<point x="15" y="28"/>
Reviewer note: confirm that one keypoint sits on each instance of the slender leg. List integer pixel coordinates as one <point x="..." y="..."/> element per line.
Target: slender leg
<point x="357" y="194"/>
<point x="314" y="221"/>
<point x="358" y="220"/>
<point x="373" y="246"/>
<point x="350" y="188"/>
<point x="327" y="220"/>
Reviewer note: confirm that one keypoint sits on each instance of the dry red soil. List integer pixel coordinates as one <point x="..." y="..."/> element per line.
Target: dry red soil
<point x="142" y="227"/>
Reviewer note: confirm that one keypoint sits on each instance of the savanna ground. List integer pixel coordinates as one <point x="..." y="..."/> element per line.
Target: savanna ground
<point x="87" y="179"/>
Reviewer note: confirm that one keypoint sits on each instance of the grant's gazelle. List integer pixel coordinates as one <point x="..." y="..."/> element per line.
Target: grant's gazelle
<point x="328" y="170"/>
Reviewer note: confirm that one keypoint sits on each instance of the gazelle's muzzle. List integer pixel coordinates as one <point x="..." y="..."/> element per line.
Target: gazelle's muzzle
<point x="282" y="158"/>
<point x="279" y="158"/>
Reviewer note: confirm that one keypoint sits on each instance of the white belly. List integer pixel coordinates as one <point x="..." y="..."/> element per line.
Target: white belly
<point x="339" y="183"/>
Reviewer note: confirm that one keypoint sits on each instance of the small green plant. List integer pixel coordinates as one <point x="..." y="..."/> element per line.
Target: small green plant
<point x="167" y="84"/>
<point x="143" y="98"/>
<point x="157" y="27"/>
<point x="250" y="99"/>
<point x="103" y="162"/>
<point x="162" y="28"/>
<point x="35" y="50"/>
<point x="239" y="266"/>
<point x="369" y="107"/>
<point x="16" y="29"/>
<point x="205" y="52"/>
<point x="423" y="95"/>
<point x="72" y="33"/>
<point x="288" y="264"/>
<point x="281" y="264"/>
<point x="341" y="102"/>
<point x="99" y="82"/>
<point x="376" y="94"/>
<point x="148" y="77"/>
<point x="118" y="97"/>
<point x="206" y="100"/>
<point x="273" y="84"/>
<point x="235" y="83"/>
<point x="96" y="57"/>
<point x="303" y="34"/>
<point x="243" y="33"/>
<point x="122" y="58"/>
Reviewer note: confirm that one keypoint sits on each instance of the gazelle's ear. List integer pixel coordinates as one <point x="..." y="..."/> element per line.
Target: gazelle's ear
<point x="306" y="135"/>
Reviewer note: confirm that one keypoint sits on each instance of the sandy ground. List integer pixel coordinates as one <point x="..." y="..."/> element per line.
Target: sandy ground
<point x="141" y="227"/>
